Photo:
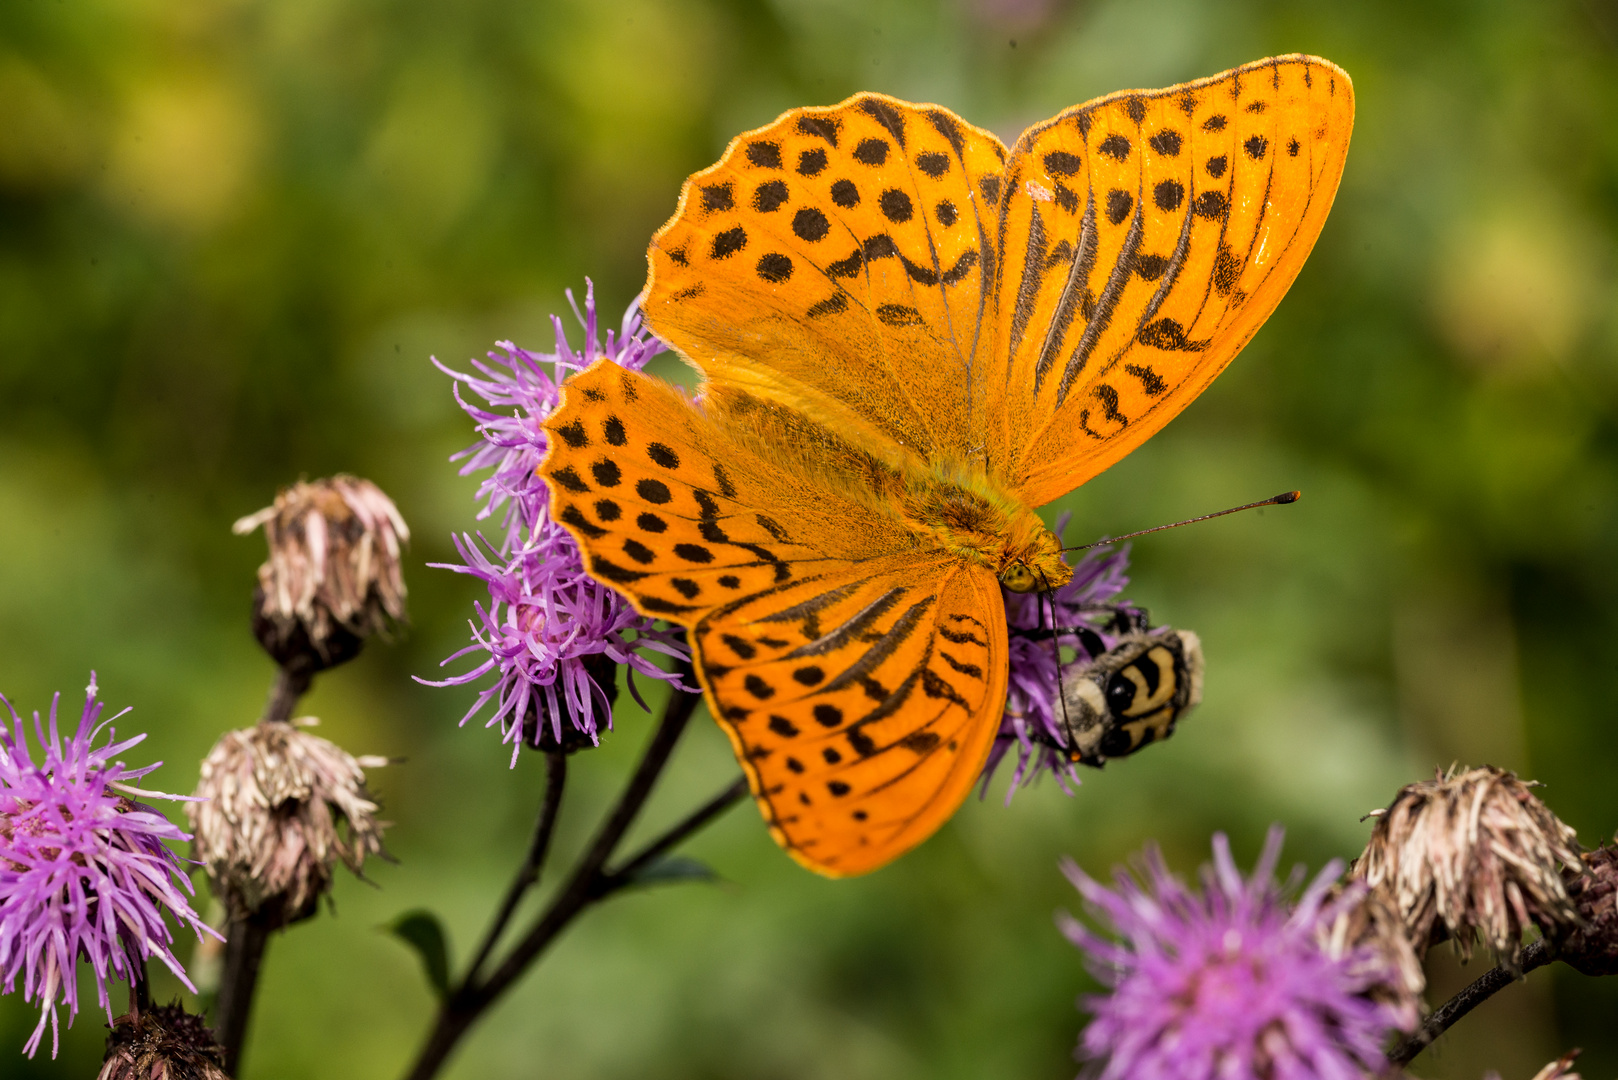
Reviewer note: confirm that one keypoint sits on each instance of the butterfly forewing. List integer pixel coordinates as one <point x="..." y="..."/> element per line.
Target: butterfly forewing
<point x="860" y="704"/>
<point x="1145" y="237"/>
<point x="836" y="260"/>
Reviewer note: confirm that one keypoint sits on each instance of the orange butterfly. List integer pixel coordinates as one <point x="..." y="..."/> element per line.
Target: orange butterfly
<point x="909" y="339"/>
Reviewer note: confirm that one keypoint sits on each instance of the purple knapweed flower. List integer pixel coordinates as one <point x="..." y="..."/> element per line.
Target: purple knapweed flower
<point x="1032" y="724"/>
<point x="550" y="632"/>
<point x="1232" y="983"/>
<point x="83" y="867"/>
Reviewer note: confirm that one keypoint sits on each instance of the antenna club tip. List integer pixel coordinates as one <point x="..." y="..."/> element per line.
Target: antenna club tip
<point x="1287" y="497"/>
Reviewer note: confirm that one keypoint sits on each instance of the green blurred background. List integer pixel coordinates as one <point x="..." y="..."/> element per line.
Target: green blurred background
<point x="233" y="231"/>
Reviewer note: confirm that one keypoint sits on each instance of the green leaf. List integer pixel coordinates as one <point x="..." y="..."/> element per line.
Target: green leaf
<point x="673" y="869"/>
<point x="421" y="930"/>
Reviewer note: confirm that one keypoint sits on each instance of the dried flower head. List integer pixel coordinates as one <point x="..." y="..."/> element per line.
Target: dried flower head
<point x="1368" y="932"/>
<point x="1472" y="854"/>
<point x="1561" y="1068"/>
<point x="162" y="1043"/>
<point x="1593" y="887"/>
<point x="276" y="809"/>
<point x="551" y="635"/>
<point x="83" y="867"/>
<point x="1087" y="624"/>
<point x="332" y="579"/>
<point x="1230" y="983"/>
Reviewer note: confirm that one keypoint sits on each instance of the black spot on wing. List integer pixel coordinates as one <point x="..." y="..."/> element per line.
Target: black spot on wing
<point x="810" y="224"/>
<point x="1115" y="146"/>
<point x="1150" y="381"/>
<point x="571" y="515"/>
<point x="1168" y="194"/>
<point x="1119" y="204"/>
<point x="570" y="480"/>
<point x="653" y="491"/>
<point x="764" y="155"/>
<point x="887" y="116"/>
<point x="774" y="267"/>
<point x="896" y="205"/>
<point x="871" y="152"/>
<point x="1165" y="142"/>
<point x="1062" y="163"/>
<point x="768" y="198"/>
<point x="898" y="315"/>
<point x="1210" y="204"/>
<point x="715" y="197"/>
<point x="832" y="305"/>
<point x="949" y="127"/>
<point x="728" y="243"/>
<point x="822" y="126"/>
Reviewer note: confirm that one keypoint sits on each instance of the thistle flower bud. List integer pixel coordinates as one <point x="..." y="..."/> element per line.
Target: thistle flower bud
<point x="332" y="578"/>
<point x="1471" y="855"/>
<point x="1593" y="886"/>
<point x="281" y="807"/>
<point x="165" y="1043"/>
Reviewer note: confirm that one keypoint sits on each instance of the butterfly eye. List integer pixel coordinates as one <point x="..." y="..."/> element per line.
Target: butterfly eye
<point x="1019" y="578"/>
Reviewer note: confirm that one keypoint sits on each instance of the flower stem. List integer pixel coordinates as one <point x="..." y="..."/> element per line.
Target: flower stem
<point x="245" y="940"/>
<point x="614" y="880"/>
<point x="1487" y="985"/>
<point x="289" y="686"/>
<point x="587" y="883"/>
<point x="140" y="994"/>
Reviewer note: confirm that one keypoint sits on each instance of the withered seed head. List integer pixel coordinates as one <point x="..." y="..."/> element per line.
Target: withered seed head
<point x="165" y="1043"/>
<point x="332" y="578"/>
<point x="1593" y="886"/>
<point x="1373" y="927"/>
<point x="281" y="807"/>
<point x="1472" y="854"/>
<point x="1560" y="1069"/>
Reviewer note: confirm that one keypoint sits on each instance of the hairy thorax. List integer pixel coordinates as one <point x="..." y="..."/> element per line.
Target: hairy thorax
<point x="972" y="518"/>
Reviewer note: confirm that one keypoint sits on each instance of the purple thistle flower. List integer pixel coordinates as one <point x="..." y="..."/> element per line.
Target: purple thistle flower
<point x="83" y="869"/>
<point x="1232" y="983"/>
<point x="1032" y="724"/>
<point x="550" y="632"/>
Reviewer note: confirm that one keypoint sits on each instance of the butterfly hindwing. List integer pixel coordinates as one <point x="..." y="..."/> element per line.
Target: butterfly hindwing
<point x="861" y="704"/>
<point x="1145" y="237"/>
<point x="673" y="511"/>
<point x="859" y="674"/>
<point x="836" y="260"/>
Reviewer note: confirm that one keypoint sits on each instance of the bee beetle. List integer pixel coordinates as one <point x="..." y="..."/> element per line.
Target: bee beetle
<point x="1131" y="695"/>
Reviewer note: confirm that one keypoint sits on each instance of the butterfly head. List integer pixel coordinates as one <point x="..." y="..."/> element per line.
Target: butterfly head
<point x="1032" y="557"/>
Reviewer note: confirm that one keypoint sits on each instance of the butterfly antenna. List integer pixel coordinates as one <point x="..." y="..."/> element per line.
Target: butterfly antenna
<point x="1280" y="500"/>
